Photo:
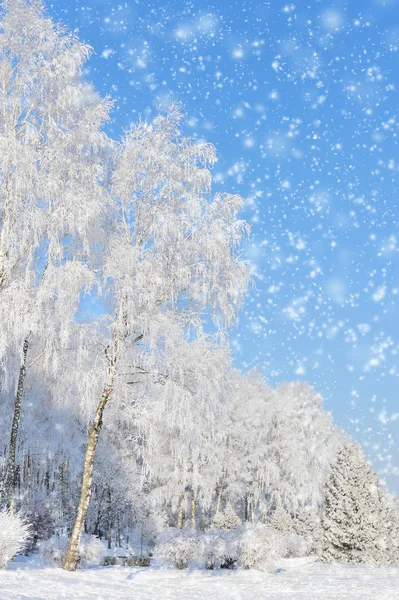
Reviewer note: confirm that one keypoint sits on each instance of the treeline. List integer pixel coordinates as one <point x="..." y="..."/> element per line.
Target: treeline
<point x="267" y="448"/>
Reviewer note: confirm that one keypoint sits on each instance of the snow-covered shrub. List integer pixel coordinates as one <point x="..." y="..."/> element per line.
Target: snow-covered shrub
<point x="257" y="546"/>
<point x="179" y="548"/>
<point x="226" y="519"/>
<point x="218" y="548"/>
<point x="251" y="546"/>
<point x="53" y="551"/>
<point x="293" y="545"/>
<point x="150" y="527"/>
<point x="91" y="551"/>
<point x="14" y="534"/>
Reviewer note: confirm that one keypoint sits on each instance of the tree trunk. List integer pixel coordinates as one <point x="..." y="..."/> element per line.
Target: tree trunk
<point x="219" y="497"/>
<point x="109" y="518"/>
<point x="246" y="511"/>
<point x="180" y="514"/>
<point x="118" y="530"/>
<point x="72" y="555"/>
<point x="97" y="530"/>
<point x="193" y="511"/>
<point x="10" y="472"/>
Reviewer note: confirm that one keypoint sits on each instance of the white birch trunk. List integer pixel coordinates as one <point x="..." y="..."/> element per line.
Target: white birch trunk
<point x="72" y="555"/>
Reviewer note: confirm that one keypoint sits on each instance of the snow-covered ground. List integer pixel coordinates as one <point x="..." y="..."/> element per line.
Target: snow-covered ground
<point x="302" y="579"/>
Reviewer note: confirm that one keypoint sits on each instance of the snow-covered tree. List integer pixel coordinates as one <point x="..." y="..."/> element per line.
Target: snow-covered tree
<point x="226" y="519"/>
<point x="52" y="173"/>
<point x="357" y="523"/>
<point x="170" y="259"/>
<point x="307" y="524"/>
<point x="301" y="442"/>
<point x="281" y="520"/>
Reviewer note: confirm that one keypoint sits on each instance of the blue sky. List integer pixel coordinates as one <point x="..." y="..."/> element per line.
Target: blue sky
<point x="301" y="101"/>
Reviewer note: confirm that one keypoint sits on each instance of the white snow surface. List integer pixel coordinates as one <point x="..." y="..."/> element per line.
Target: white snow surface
<point x="302" y="579"/>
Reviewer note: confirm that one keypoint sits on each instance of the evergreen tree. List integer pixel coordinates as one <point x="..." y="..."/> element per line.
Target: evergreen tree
<point x="307" y="524"/>
<point x="281" y="520"/>
<point x="357" y="525"/>
<point x="227" y="519"/>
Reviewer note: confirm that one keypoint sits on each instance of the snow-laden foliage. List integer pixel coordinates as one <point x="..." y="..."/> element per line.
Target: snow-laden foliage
<point x="14" y="535"/>
<point x="37" y="512"/>
<point x="301" y="533"/>
<point x="359" y="524"/>
<point x="53" y="551"/>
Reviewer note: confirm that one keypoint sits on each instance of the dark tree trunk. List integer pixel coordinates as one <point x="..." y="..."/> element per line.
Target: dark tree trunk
<point x="10" y="471"/>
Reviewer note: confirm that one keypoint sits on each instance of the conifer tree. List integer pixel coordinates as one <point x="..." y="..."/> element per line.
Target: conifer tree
<point x="226" y="519"/>
<point x="357" y="525"/>
<point x="307" y="524"/>
<point x="281" y="520"/>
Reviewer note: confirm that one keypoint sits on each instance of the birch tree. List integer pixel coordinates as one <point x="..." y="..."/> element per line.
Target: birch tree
<point x="51" y="186"/>
<point x="171" y="260"/>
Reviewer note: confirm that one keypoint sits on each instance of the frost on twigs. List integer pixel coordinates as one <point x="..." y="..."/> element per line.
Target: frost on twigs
<point x="14" y="535"/>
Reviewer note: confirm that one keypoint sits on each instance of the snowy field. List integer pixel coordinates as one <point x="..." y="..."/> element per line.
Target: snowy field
<point x="302" y="579"/>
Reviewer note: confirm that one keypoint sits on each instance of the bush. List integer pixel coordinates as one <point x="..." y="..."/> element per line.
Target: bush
<point x="91" y="551"/>
<point x="53" y="551"/>
<point x="14" y="535"/>
<point x="252" y="546"/>
<point x="218" y="550"/>
<point x="293" y="546"/>
<point x="259" y="545"/>
<point x="179" y="548"/>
